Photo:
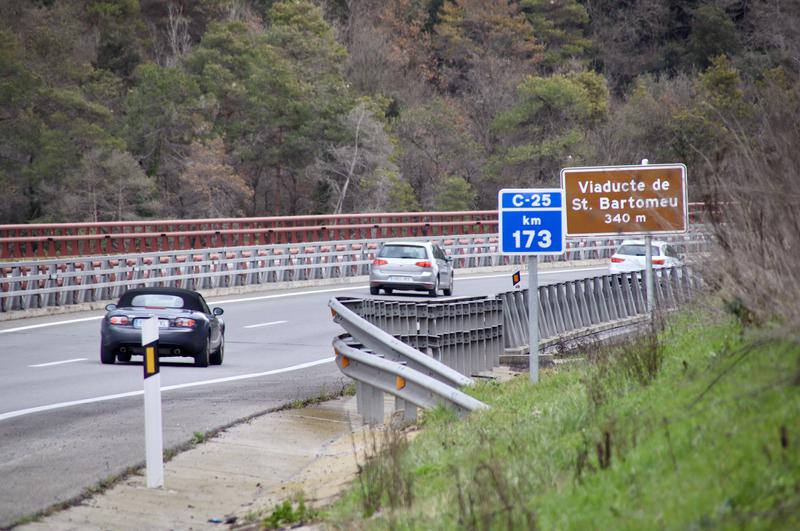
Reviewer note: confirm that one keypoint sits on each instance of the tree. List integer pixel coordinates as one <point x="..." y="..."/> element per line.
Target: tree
<point x="351" y="168"/>
<point x="301" y="36"/>
<point x="713" y="33"/>
<point x="454" y="194"/>
<point x="400" y="196"/>
<point x="108" y="185"/>
<point x="281" y="93"/>
<point x="208" y="187"/>
<point x="471" y="30"/>
<point x="436" y="143"/>
<point x="119" y="24"/>
<point x="561" y="27"/>
<point x="19" y="131"/>
<point x="164" y="112"/>
<point x="548" y="126"/>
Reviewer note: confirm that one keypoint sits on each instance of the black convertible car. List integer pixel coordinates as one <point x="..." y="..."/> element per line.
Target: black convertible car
<point x="187" y="327"/>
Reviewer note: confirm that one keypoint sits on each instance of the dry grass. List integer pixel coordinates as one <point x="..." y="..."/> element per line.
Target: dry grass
<point x="756" y="192"/>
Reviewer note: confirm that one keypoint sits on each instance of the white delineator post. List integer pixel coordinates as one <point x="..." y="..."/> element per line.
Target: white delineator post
<point x="154" y="444"/>
<point x="533" y="316"/>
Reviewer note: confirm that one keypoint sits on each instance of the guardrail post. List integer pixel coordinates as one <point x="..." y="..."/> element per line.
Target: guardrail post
<point x="602" y="300"/>
<point x="583" y="303"/>
<point x="624" y="293"/>
<point x="658" y="289"/>
<point x="375" y="410"/>
<point x="669" y="292"/>
<point x="637" y="296"/>
<point x="591" y="300"/>
<point x="573" y="311"/>
<point x="558" y="312"/>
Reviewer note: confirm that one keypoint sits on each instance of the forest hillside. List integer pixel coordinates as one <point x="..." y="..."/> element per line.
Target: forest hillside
<point x="125" y="109"/>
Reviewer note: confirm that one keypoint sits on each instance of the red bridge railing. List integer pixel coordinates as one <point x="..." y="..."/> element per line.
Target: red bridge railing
<point x="52" y="240"/>
<point x="81" y="239"/>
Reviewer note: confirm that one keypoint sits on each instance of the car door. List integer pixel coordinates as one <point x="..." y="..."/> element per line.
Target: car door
<point x="445" y="266"/>
<point x="214" y="328"/>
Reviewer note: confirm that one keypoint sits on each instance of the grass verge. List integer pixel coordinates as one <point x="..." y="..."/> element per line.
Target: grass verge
<point x="694" y="427"/>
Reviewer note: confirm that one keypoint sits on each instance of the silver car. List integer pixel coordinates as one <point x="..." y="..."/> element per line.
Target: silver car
<point x="419" y="266"/>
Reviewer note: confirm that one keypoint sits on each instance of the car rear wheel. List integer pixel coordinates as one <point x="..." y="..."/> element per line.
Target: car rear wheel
<point x="373" y="290"/>
<point x="435" y="291"/>
<point x="216" y="357"/>
<point x="201" y="358"/>
<point x="124" y="357"/>
<point x="449" y="289"/>
<point x="107" y="355"/>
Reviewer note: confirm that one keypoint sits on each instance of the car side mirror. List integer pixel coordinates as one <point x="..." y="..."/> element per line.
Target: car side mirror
<point x="448" y="258"/>
<point x="218" y="311"/>
<point x="111" y="307"/>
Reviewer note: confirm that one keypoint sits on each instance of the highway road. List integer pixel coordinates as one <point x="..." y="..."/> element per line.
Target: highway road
<point x="67" y="422"/>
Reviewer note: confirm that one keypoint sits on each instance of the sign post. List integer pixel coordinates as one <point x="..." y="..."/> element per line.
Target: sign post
<point x="648" y="267"/>
<point x="154" y="445"/>
<point x="532" y="223"/>
<point x="626" y="200"/>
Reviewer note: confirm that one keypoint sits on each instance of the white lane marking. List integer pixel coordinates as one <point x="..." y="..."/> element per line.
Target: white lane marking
<point x="57" y="362"/>
<point x="43" y="325"/>
<point x="60" y="405"/>
<point x="284" y="295"/>
<point x="265" y="324"/>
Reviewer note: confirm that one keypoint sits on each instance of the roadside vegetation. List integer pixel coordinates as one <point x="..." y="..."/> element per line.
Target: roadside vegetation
<point x="693" y="428"/>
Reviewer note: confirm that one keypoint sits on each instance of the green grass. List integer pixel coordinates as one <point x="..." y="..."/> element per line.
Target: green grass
<point x="697" y="429"/>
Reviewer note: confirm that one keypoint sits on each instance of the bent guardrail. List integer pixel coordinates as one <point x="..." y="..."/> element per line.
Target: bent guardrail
<point x="394" y="349"/>
<point x="412" y="389"/>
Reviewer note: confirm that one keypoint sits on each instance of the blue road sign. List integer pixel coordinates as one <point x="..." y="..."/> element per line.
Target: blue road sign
<point x="532" y="221"/>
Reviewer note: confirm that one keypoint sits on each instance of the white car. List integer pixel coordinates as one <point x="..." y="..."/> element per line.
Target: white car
<point x="630" y="256"/>
<point x="420" y="266"/>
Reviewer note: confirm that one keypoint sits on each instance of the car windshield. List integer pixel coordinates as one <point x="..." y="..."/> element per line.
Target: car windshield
<point x="634" y="249"/>
<point x="156" y="300"/>
<point x="402" y="251"/>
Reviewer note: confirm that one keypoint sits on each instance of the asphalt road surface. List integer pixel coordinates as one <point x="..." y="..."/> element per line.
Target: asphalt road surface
<point x="68" y="422"/>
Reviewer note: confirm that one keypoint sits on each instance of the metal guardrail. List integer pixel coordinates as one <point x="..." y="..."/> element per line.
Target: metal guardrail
<point x="375" y="376"/>
<point x="387" y="345"/>
<point x="465" y="334"/>
<point x="479" y="329"/>
<point x="582" y="304"/>
<point x="381" y="363"/>
<point x="66" y="281"/>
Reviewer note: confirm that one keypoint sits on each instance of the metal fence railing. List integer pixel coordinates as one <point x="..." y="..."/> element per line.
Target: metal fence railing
<point x="66" y="281"/>
<point x="51" y="240"/>
<point x="583" y="304"/>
